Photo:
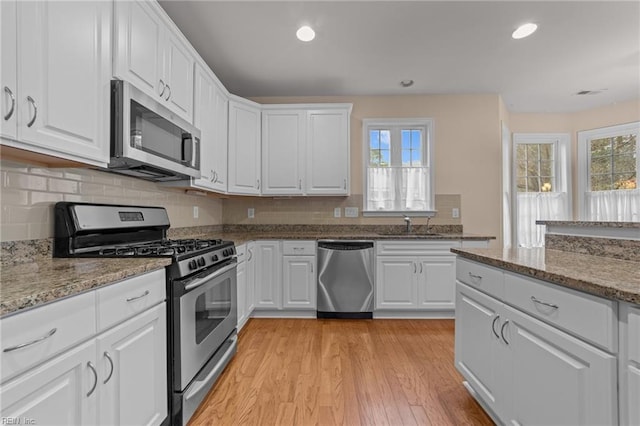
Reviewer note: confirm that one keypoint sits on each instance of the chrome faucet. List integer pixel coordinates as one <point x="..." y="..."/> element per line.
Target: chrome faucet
<point x="407" y="219"/>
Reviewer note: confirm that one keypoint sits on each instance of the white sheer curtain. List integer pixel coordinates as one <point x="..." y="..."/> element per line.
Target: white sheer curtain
<point x="616" y="206"/>
<point x="406" y="185"/>
<point x="532" y="206"/>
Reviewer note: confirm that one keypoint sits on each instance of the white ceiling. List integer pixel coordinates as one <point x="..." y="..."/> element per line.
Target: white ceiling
<point x="368" y="47"/>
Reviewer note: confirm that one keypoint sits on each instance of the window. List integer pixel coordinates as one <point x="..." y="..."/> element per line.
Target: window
<point x="609" y="163"/>
<point x="398" y="166"/>
<point x="541" y="182"/>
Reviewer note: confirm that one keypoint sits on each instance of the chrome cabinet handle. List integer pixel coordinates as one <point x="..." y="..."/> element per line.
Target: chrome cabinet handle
<point x="95" y="376"/>
<point x="299" y="183"/>
<point x="420" y="267"/>
<point x="35" y="111"/>
<point x="250" y="255"/>
<point x="13" y="103"/>
<point x="540" y="302"/>
<point x="33" y="342"/>
<point x="164" y="86"/>
<point x="345" y="184"/>
<point x="475" y="277"/>
<point x="312" y="268"/>
<point x="214" y="176"/>
<point x="415" y="269"/>
<point x="493" y="326"/>
<point x="169" y="94"/>
<point x="131" y="299"/>
<point x="108" y="357"/>
<point x="258" y="181"/>
<point x="502" y="331"/>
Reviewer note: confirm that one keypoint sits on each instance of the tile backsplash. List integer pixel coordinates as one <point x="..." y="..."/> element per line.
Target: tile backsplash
<point x="29" y="192"/>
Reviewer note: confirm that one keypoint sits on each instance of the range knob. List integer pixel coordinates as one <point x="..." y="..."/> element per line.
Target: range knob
<point x="214" y="258"/>
<point x="201" y="261"/>
<point x="193" y="264"/>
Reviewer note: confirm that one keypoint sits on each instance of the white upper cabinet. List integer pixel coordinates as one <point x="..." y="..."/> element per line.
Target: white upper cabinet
<point x="244" y="147"/>
<point x="151" y="53"/>
<point x="57" y="104"/>
<point x="210" y="115"/>
<point x="328" y="152"/>
<point x="283" y="151"/>
<point x="305" y="149"/>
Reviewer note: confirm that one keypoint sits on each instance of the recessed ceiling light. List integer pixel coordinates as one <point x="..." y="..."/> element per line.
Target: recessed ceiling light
<point x="305" y="33"/>
<point x="524" y="30"/>
<point x="406" y="83"/>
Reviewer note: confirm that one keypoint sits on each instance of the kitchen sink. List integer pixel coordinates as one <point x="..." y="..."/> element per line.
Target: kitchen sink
<point x="409" y="235"/>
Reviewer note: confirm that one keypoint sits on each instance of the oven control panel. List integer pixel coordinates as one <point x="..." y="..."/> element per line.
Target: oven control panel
<point x="202" y="260"/>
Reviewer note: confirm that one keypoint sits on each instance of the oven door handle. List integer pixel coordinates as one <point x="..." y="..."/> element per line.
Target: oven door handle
<point x="201" y="281"/>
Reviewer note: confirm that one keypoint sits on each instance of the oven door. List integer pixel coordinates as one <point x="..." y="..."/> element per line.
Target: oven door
<point x="208" y="314"/>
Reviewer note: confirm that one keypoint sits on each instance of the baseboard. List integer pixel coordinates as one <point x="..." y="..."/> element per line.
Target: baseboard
<point x="447" y="314"/>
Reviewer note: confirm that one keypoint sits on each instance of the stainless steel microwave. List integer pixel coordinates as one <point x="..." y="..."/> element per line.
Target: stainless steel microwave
<point x="149" y="141"/>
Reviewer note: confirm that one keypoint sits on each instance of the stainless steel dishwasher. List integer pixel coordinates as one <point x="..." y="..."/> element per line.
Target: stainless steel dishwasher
<point x="345" y="279"/>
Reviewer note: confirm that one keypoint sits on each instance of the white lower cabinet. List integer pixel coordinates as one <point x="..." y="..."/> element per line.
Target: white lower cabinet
<point x="268" y="282"/>
<point x="132" y="364"/>
<point x="61" y="391"/>
<point x="629" y="365"/>
<point x="245" y="283"/>
<point x="299" y="275"/>
<point x="527" y="371"/>
<point x="118" y="377"/>
<point x="415" y="275"/>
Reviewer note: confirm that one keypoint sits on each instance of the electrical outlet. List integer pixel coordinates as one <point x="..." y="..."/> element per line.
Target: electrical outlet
<point x="350" y="212"/>
<point x="251" y="213"/>
<point x="337" y="212"/>
<point x="455" y="213"/>
<point x="196" y="213"/>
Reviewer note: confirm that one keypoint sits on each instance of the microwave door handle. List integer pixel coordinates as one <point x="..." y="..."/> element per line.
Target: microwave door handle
<point x="194" y="151"/>
<point x="185" y="139"/>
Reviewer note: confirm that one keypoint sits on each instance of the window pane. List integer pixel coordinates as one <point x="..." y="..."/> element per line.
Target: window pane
<point x="546" y="152"/>
<point x="600" y="147"/>
<point x="534" y="184"/>
<point x="416" y="158"/>
<point x="546" y="168"/>
<point x="385" y="139"/>
<point x="521" y="154"/>
<point x="624" y="145"/>
<point x="547" y="184"/>
<point x="600" y="165"/>
<point x="532" y="152"/>
<point x="406" y="157"/>
<point x="374" y="139"/>
<point x="385" y="157"/>
<point x="416" y="139"/>
<point x="624" y="163"/>
<point x="521" y="185"/>
<point x="600" y="182"/>
<point x="406" y="139"/>
<point x="625" y="181"/>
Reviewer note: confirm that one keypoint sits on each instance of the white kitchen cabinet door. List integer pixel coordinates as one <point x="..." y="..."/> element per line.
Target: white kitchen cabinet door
<point x="299" y="282"/>
<point x="436" y="282"/>
<point x="268" y="283"/>
<point x="396" y="282"/>
<point x="210" y="116"/>
<point x="62" y="391"/>
<point x="179" y="66"/>
<point x="327" y="152"/>
<point x="8" y="70"/>
<point x="251" y="278"/>
<point x="244" y="148"/>
<point x="61" y="94"/>
<point x="241" y="284"/>
<point x="479" y="352"/>
<point x="132" y="371"/>
<point x="283" y="151"/>
<point x="629" y="365"/>
<point x="149" y="54"/>
<point x="558" y="379"/>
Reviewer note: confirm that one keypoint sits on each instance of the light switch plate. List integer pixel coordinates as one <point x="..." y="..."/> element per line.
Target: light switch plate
<point x="196" y="213"/>
<point x="337" y="212"/>
<point x="455" y="213"/>
<point x="251" y="213"/>
<point x="350" y="212"/>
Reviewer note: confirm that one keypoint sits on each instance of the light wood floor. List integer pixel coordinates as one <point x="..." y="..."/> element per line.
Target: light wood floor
<point x="342" y="372"/>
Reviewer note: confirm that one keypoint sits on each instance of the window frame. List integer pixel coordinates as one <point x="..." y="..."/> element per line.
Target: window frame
<point x="584" y="157"/>
<point x="396" y="123"/>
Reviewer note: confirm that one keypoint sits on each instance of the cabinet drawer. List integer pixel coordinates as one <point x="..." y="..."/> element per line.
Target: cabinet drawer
<point x="415" y="248"/>
<point x="633" y="333"/>
<point x="125" y="299"/>
<point x="299" y="248"/>
<point x="483" y="277"/>
<point x="590" y="317"/>
<point x="53" y="328"/>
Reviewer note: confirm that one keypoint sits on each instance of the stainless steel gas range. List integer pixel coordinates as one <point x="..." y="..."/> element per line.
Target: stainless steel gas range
<point x="201" y="288"/>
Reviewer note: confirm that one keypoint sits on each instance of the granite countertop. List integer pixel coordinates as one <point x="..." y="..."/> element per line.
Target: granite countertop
<point x="602" y="276"/>
<point x="44" y="279"/>
<point x="588" y="224"/>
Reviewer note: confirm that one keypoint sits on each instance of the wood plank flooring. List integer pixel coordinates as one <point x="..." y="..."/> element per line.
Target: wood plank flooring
<point x="342" y="372"/>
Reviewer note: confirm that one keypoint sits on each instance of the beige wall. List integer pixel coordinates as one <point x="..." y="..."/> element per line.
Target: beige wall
<point x="29" y="192"/>
<point x="572" y="123"/>
<point x="467" y="158"/>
